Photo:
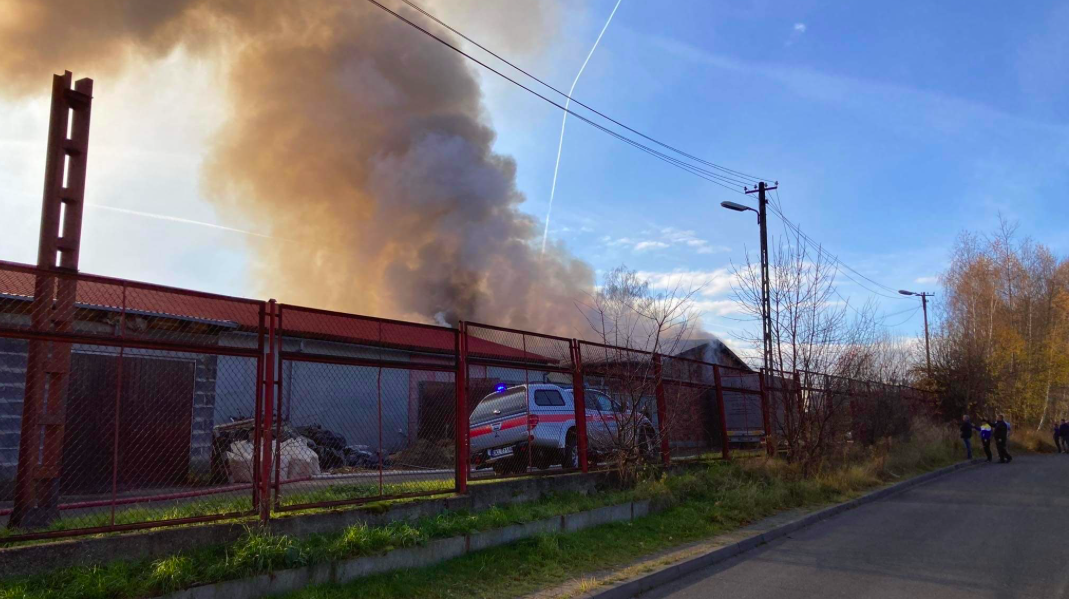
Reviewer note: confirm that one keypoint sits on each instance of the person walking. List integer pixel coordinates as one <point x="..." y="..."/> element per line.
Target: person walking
<point x="985" y="438"/>
<point x="966" y="435"/>
<point x="1002" y="432"/>
<point x="1057" y="437"/>
<point x="1063" y="432"/>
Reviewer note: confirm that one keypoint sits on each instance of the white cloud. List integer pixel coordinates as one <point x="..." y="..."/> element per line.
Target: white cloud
<point x="926" y="280"/>
<point x="713" y="283"/>
<point x="718" y="307"/>
<point x="796" y="33"/>
<point x="666" y="237"/>
<point x="649" y="245"/>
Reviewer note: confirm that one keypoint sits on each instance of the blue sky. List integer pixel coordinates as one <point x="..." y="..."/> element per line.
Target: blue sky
<point x="890" y="130"/>
<point x="890" y="127"/>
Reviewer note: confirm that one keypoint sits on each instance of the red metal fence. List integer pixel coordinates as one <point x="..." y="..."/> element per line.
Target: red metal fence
<point x="110" y="392"/>
<point x="125" y="405"/>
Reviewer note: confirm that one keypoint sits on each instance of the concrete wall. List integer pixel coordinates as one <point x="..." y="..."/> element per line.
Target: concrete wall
<point x="12" y="388"/>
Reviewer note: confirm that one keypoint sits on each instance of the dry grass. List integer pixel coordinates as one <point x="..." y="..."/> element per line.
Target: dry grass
<point x="1031" y="440"/>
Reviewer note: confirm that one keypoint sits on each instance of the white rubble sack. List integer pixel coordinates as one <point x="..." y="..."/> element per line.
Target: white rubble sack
<point x="239" y="462"/>
<point x="298" y="460"/>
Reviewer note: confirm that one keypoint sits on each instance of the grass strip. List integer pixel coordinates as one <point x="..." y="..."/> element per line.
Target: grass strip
<point x="257" y="552"/>
<point x="696" y="503"/>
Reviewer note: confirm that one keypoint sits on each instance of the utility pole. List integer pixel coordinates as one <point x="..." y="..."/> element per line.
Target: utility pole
<point x="927" y="348"/>
<point x="924" y="306"/>
<point x="766" y="287"/>
<point x="766" y="291"/>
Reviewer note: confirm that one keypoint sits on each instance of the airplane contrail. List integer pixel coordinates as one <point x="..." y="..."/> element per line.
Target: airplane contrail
<point x="564" y="122"/>
<point x="178" y="219"/>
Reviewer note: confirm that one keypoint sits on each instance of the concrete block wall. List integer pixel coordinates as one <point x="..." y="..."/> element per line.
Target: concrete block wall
<point x="200" y="451"/>
<point x="13" y="356"/>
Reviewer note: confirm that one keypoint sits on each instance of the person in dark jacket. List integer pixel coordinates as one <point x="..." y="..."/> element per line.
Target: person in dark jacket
<point x="1063" y="432"/>
<point x="966" y="435"/>
<point x="1057" y="437"/>
<point x="985" y="437"/>
<point x="1002" y="431"/>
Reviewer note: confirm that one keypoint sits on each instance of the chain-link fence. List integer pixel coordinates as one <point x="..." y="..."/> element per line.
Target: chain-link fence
<point x="627" y="412"/>
<point x="522" y="403"/>
<point x="125" y="405"/>
<point x="113" y="399"/>
<point x="366" y="409"/>
<point x="694" y="422"/>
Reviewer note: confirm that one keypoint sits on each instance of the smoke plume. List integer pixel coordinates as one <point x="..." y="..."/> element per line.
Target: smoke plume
<point x="361" y="142"/>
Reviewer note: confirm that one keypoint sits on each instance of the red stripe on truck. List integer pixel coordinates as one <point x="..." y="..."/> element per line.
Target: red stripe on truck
<point x="519" y="421"/>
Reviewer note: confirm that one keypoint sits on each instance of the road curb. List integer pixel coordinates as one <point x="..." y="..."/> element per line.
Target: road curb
<point x="671" y="573"/>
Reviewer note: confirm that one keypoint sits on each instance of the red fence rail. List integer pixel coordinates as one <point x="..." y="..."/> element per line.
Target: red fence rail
<point x="125" y="405"/>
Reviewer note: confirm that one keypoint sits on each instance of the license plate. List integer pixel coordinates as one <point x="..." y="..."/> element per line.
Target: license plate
<point x="496" y="453"/>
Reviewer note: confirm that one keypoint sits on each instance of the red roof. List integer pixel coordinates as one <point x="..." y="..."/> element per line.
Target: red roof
<point x="18" y="280"/>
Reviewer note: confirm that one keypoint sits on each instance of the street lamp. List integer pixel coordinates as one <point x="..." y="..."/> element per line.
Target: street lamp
<point x="924" y="304"/>
<point x="738" y="207"/>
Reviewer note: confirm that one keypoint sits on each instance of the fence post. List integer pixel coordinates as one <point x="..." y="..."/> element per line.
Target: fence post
<point x="803" y="433"/>
<point x="579" y="402"/>
<point x="118" y="410"/>
<point x="276" y="501"/>
<point x="662" y="412"/>
<point x="770" y="442"/>
<point x="725" y="443"/>
<point x="268" y="415"/>
<point x="258" y="410"/>
<point x="461" y="432"/>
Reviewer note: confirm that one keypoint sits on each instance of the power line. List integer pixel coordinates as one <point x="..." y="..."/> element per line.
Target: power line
<point x="821" y="250"/>
<point x="748" y="177"/>
<point x="907" y="319"/>
<point x="725" y="181"/>
<point x="885" y="316"/>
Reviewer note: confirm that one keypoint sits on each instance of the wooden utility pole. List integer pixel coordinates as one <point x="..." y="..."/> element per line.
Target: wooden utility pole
<point x="766" y="288"/>
<point x="927" y="350"/>
<point x="52" y="310"/>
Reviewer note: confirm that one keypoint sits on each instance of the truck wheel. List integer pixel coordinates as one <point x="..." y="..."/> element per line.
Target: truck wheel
<point x="570" y="455"/>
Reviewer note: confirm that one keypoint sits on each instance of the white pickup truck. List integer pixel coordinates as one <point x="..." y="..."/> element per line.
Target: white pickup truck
<point x="535" y="424"/>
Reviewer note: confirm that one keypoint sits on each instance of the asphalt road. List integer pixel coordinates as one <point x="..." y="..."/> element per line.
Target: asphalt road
<point x="993" y="530"/>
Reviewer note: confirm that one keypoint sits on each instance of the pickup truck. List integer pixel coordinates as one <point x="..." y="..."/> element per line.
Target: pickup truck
<point x="534" y="424"/>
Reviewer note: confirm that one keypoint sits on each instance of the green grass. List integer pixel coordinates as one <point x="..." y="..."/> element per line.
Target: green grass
<point x="363" y="491"/>
<point x="210" y="506"/>
<point x="697" y="503"/>
<point x="134" y="514"/>
<point x="257" y="552"/>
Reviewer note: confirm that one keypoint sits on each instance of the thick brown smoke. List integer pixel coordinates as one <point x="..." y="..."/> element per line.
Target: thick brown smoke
<point x="361" y="144"/>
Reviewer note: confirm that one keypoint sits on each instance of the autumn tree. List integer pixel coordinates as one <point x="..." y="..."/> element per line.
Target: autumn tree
<point x="633" y="322"/>
<point x="1002" y="340"/>
<point x="826" y="352"/>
